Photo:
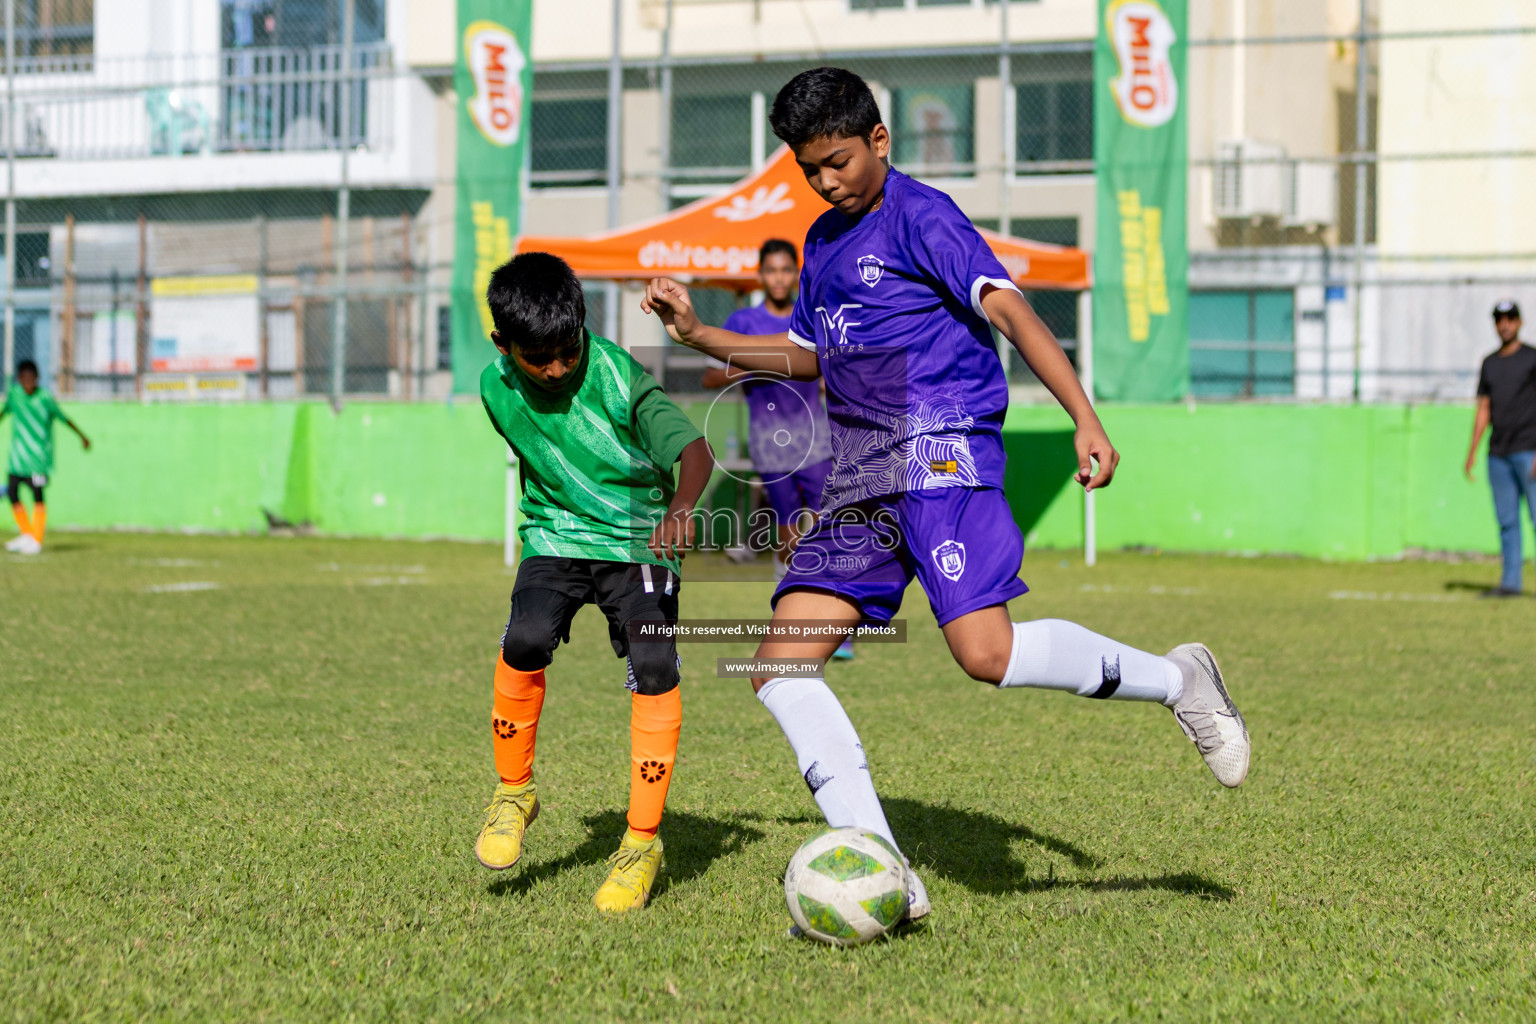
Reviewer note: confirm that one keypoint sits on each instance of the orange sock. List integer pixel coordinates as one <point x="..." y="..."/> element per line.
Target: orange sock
<point x="39" y="520"/>
<point x="654" y="724"/>
<point x="20" y="512"/>
<point x="515" y="721"/>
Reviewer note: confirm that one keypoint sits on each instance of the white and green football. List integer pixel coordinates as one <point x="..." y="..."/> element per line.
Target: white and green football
<point x="846" y="886"/>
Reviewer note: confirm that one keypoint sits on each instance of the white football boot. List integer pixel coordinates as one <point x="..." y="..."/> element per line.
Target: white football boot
<point x="16" y="543"/>
<point x="29" y="545"/>
<point x="1208" y="717"/>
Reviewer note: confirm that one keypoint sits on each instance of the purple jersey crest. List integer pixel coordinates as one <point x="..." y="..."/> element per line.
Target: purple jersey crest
<point x="950" y="558"/>
<point x="870" y="269"/>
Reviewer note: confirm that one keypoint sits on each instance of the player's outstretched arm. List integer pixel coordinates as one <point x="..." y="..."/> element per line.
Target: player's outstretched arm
<point x="1013" y="316"/>
<point x="674" y="534"/>
<point x="771" y="352"/>
<point x="1480" y="421"/>
<point x="85" y="442"/>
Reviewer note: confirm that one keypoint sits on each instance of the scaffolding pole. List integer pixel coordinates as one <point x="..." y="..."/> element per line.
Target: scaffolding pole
<point x="343" y="211"/>
<point x="615" y="150"/>
<point x="10" y="191"/>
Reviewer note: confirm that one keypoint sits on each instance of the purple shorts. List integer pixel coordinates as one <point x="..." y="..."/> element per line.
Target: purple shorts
<point x="789" y="493"/>
<point x="961" y="543"/>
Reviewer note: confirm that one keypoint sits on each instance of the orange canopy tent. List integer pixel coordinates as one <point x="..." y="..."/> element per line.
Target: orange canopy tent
<point x="714" y="241"/>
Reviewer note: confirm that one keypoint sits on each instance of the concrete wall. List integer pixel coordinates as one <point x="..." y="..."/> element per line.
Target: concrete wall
<point x="1341" y="482"/>
<point x="1450" y="96"/>
<point x="1344" y="482"/>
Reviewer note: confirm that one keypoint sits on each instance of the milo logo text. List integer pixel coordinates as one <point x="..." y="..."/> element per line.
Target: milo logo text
<point x="1145" y="90"/>
<point x="495" y="62"/>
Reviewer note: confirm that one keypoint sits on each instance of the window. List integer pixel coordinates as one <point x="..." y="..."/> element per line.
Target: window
<point x="1054" y="230"/>
<point x="1056" y="309"/>
<point x="596" y="295"/>
<point x="445" y="337"/>
<point x="247" y="24"/>
<point x="569" y="141"/>
<point x="279" y="67"/>
<point x="712" y="132"/>
<point x="932" y="128"/>
<point x="1242" y="343"/>
<point x="32" y="260"/>
<point x="1053" y="121"/>
<point x="54" y="28"/>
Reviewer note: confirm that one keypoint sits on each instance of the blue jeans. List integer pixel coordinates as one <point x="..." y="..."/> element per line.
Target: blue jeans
<point x="1510" y="477"/>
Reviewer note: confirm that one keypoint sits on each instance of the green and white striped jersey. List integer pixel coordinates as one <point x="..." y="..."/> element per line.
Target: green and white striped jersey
<point x="32" y="419"/>
<point x="595" y="458"/>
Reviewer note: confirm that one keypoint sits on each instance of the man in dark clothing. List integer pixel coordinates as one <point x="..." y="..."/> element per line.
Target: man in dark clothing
<point x="1506" y="398"/>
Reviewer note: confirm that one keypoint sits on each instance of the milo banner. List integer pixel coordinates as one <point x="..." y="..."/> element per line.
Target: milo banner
<point x="1141" y="263"/>
<point x="493" y="81"/>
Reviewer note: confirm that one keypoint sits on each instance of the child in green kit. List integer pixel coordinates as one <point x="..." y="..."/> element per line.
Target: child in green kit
<point x="603" y="523"/>
<point x="32" y="453"/>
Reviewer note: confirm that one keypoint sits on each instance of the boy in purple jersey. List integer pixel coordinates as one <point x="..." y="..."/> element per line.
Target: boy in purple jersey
<point x="788" y="436"/>
<point x="787" y="433"/>
<point x="896" y="295"/>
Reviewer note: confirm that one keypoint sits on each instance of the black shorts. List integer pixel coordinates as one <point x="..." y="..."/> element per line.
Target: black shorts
<point x="549" y="591"/>
<point x="35" y="483"/>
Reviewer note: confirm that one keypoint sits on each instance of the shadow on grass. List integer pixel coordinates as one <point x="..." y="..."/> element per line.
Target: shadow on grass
<point x="693" y="842"/>
<point x="976" y="850"/>
<point x="1472" y="585"/>
<point x="56" y="547"/>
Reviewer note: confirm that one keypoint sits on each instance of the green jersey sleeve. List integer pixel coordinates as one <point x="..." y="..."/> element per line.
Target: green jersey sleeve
<point x="663" y="429"/>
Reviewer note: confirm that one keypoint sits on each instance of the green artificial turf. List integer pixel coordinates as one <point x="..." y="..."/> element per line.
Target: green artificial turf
<point x="258" y="800"/>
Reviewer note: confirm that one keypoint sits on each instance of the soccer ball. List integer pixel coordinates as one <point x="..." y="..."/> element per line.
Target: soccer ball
<point x="846" y="887"/>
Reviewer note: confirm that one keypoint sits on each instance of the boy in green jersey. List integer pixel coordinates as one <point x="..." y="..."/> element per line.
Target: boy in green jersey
<point x="32" y="453"/>
<point x="603" y="523"/>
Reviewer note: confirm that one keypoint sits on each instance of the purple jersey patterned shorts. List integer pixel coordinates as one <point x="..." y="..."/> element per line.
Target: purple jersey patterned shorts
<point x="961" y="543"/>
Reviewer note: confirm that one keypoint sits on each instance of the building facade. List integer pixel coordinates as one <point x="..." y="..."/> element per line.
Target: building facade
<point x="179" y="168"/>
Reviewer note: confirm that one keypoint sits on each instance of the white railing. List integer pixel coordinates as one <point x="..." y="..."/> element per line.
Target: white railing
<point x="236" y="101"/>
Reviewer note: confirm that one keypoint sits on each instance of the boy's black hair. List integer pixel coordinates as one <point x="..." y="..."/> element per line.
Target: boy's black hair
<point x="774" y="245"/>
<point x="537" y="304"/>
<point x="824" y="103"/>
<point x="25" y="365"/>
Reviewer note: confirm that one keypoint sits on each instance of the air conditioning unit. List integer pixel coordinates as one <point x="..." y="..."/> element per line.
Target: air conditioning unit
<point x="1311" y="194"/>
<point x="1250" y="179"/>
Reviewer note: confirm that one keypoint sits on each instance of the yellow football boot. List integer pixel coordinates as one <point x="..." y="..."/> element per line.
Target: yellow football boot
<point x="512" y="810"/>
<point x="632" y="873"/>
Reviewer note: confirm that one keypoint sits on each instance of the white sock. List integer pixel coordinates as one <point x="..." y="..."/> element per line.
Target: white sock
<point x="1057" y="655"/>
<point x="780" y="568"/>
<point x="828" y="751"/>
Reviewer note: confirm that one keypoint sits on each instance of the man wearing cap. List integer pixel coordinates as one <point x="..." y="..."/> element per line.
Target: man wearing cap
<point x="1506" y="399"/>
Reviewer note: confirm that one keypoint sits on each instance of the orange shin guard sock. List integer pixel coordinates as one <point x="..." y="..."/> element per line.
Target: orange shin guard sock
<point x="22" y="523"/>
<point x="515" y="721"/>
<point x="654" y="725"/>
<point x="39" y="520"/>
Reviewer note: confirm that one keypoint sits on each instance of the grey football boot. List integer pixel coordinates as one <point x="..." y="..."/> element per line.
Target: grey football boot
<point x="917" y="895"/>
<point x="1208" y="717"/>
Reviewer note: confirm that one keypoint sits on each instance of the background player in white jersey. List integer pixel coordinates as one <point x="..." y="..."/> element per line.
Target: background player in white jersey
<point x="896" y="295"/>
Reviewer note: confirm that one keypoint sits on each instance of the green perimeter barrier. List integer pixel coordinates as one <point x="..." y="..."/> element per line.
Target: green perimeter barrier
<point x="1343" y="482"/>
